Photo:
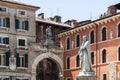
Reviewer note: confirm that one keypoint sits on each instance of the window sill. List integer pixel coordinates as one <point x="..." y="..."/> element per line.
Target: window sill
<point x="4" y="47"/>
<point x="22" y="68"/>
<point x="22" y="49"/>
<point x="4" y="13"/>
<point x="22" y="16"/>
<point x="4" y="28"/>
<point x="21" y="31"/>
<point x="2" y="66"/>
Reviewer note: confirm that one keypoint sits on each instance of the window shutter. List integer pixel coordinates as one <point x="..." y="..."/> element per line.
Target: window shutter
<point x="26" y="25"/>
<point x="26" y="60"/>
<point x="8" y="22"/>
<point x="17" y="60"/>
<point x="7" y="58"/>
<point x="17" y="24"/>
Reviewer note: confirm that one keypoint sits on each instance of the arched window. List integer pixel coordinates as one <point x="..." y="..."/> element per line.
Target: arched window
<point x="119" y="30"/>
<point x="104" y="56"/>
<point x="104" y="34"/>
<point x="119" y="53"/>
<point x="92" y="37"/>
<point x="104" y="77"/>
<point x="77" y="61"/>
<point x="68" y="63"/>
<point x="92" y="57"/>
<point x="78" y="41"/>
<point x="68" y="43"/>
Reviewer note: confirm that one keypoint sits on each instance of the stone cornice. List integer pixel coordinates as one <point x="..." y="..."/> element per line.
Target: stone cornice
<point x="91" y="25"/>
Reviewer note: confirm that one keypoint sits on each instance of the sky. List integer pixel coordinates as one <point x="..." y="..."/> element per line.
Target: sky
<point x="79" y="10"/>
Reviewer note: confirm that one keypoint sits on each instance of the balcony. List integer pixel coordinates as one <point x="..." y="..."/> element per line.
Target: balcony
<point x="2" y="13"/>
<point x="22" y="49"/>
<point x="21" y="16"/>
<point x="4" y="47"/>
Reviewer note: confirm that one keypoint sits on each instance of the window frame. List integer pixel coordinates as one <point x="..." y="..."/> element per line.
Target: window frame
<point x="76" y="40"/>
<point x="103" y="76"/>
<point x="68" y="46"/>
<point x="77" y="61"/>
<point x="5" y="8"/>
<point x="19" y="10"/>
<point x="102" y="33"/>
<point x="102" y="57"/>
<point x="91" y="37"/>
<point x="93" y="60"/>
<point x="67" y="64"/>
<point x="18" y="38"/>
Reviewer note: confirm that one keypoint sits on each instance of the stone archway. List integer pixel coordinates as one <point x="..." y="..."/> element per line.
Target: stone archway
<point x="48" y="55"/>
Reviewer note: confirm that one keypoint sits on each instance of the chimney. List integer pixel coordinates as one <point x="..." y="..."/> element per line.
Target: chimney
<point x="57" y="19"/>
<point x="41" y="15"/>
<point x="111" y="10"/>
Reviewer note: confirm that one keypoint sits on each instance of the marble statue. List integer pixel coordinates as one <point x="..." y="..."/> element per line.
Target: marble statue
<point x="87" y="72"/>
<point x="85" y="57"/>
<point x="12" y="63"/>
<point x="49" y="41"/>
<point x="48" y="33"/>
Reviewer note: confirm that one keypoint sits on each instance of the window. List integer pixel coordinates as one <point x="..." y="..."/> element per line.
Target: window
<point x="119" y="30"/>
<point x="23" y="25"/>
<point x="92" y="37"/>
<point x="4" y="59"/>
<point x="4" y="22"/>
<point x="21" y="12"/>
<point x="104" y="56"/>
<point x="21" y="42"/>
<point x="4" y="40"/>
<point x="104" y="34"/>
<point x="119" y="53"/>
<point x="22" y="60"/>
<point x="68" y="43"/>
<point x="68" y="63"/>
<point x="3" y="9"/>
<point x="104" y="77"/>
<point x="92" y="57"/>
<point x="77" y="61"/>
<point x="68" y="79"/>
<point x="78" y="41"/>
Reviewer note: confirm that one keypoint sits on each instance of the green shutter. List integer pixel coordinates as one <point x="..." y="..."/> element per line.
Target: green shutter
<point x="17" y="60"/>
<point x="8" y="22"/>
<point x="16" y="24"/>
<point x="26" y="25"/>
<point x="7" y="58"/>
<point x="26" y="60"/>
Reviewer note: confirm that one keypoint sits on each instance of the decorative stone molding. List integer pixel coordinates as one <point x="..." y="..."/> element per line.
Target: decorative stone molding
<point x="42" y="48"/>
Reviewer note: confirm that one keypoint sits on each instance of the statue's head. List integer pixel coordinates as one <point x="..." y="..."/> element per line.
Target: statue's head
<point x="85" y="38"/>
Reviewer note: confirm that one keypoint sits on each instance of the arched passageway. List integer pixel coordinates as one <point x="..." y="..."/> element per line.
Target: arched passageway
<point x="47" y="69"/>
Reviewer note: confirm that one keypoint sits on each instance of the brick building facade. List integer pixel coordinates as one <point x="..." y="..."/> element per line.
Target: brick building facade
<point x="104" y="36"/>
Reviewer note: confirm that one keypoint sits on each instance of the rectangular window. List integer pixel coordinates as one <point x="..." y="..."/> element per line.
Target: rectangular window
<point x="23" y="25"/>
<point x="4" y="22"/>
<point x="21" y="42"/>
<point x="23" y="60"/>
<point x="21" y="12"/>
<point x="3" y="9"/>
<point x="4" y="40"/>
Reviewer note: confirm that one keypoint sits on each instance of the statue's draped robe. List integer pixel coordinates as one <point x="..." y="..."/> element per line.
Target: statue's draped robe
<point x="86" y="57"/>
